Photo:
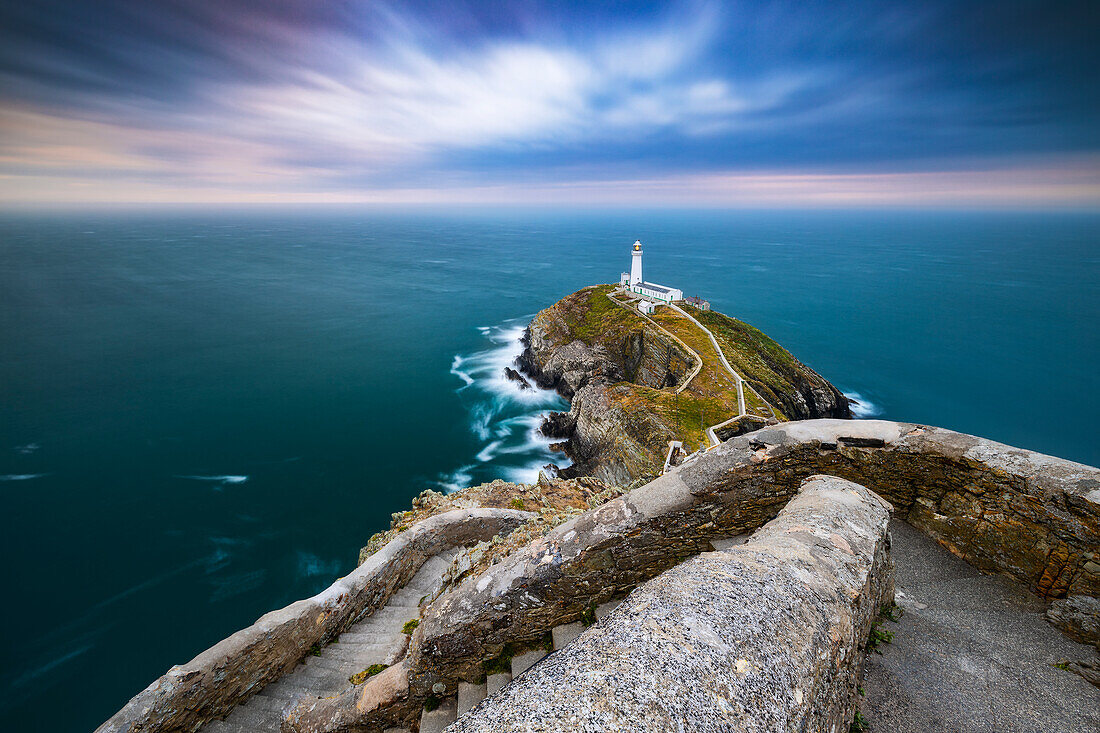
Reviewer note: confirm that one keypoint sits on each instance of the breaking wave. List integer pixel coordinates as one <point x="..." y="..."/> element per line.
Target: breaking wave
<point x="503" y="415"/>
<point x="862" y="407"/>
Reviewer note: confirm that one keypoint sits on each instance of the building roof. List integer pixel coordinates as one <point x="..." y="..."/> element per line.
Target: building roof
<point x="658" y="288"/>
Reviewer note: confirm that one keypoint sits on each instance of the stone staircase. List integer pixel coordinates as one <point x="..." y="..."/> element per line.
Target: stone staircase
<point x="377" y="639"/>
<point x="469" y="694"/>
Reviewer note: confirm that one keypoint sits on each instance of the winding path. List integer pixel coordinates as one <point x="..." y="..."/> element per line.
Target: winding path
<point x="712" y="437"/>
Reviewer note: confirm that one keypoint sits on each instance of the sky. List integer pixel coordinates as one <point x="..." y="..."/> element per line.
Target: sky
<point x="754" y="104"/>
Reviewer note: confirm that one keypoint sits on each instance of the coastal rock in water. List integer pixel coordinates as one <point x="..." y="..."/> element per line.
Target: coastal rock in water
<point x="514" y="376"/>
<point x="558" y="425"/>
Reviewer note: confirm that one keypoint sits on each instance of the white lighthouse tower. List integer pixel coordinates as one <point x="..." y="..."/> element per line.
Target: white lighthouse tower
<point x="636" y="264"/>
<point x="633" y="283"/>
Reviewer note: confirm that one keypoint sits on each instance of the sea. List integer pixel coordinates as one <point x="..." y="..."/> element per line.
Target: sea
<point x="205" y="413"/>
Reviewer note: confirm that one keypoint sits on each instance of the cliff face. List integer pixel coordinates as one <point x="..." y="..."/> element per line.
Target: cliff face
<point x="620" y="372"/>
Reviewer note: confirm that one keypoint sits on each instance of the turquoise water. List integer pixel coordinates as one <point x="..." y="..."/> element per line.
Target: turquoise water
<point x="203" y="416"/>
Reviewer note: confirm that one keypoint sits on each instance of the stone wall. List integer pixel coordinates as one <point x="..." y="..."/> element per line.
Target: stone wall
<point x="229" y="672"/>
<point x="765" y="636"/>
<point x="1033" y="517"/>
<point x="1004" y="510"/>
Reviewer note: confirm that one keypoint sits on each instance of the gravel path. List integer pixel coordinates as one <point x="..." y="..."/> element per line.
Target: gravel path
<point x="971" y="653"/>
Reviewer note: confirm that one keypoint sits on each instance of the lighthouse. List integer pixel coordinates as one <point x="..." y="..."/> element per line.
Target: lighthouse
<point x="636" y="263"/>
<point x="633" y="283"/>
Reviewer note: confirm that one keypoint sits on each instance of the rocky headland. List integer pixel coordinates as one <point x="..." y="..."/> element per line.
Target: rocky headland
<point x="620" y="371"/>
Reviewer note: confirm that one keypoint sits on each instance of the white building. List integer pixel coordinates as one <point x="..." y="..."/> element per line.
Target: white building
<point x="635" y="284"/>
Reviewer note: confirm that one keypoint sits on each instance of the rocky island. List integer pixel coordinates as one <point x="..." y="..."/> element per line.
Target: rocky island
<point x="726" y="551"/>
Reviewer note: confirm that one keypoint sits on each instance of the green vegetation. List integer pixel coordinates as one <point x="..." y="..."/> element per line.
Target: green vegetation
<point x="410" y="626"/>
<point x="497" y="665"/>
<point x="878" y="636"/>
<point x="360" y="677"/>
<point x="315" y="650"/>
<point x="1063" y="665"/>
<point x="432" y="703"/>
<point x="589" y="616"/>
<point x="591" y="317"/>
<point x="768" y="366"/>
<point x="517" y="503"/>
<point x="891" y="612"/>
<point x="859" y="724"/>
<point x="503" y="661"/>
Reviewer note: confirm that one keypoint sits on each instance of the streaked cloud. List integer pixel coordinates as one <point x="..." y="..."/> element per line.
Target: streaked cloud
<point x="242" y="100"/>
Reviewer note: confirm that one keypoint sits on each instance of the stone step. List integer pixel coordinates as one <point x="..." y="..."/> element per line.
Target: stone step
<point x="566" y="633"/>
<point x="255" y="718"/>
<point x="368" y="642"/>
<point x="268" y="702"/>
<point x="364" y="639"/>
<point x="327" y="663"/>
<point x="410" y="596"/>
<point x="368" y="635"/>
<point x="222" y="726"/>
<point x="436" y="720"/>
<point x="523" y="662"/>
<point x="470" y="694"/>
<point x="284" y="690"/>
<point x="359" y="653"/>
<point x="494" y="682"/>
<point x="393" y="615"/>
<point x="605" y="608"/>
<point x="320" y="682"/>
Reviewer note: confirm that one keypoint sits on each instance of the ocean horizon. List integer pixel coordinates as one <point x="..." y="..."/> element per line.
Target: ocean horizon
<point x="207" y="412"/>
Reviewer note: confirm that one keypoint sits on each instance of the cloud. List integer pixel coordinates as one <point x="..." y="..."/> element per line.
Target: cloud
<point x="244" y="98"/>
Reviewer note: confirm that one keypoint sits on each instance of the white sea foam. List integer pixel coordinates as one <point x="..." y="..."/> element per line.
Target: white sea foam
<point x="22" y="476"/>
<point x="486" y="454"/>
<point x="503" y="415"/>
<point x="861" y="406"/>
<point x="220" y="480"/>
<point x="456" y="370"/>
<point x="458" y="479"/>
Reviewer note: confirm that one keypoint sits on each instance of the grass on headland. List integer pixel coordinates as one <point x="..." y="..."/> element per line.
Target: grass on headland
<point x="591" y="317"/>
<point x="760" y="360"/>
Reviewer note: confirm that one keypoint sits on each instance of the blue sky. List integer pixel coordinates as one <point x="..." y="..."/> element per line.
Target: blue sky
<point x="700" y="103"/>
